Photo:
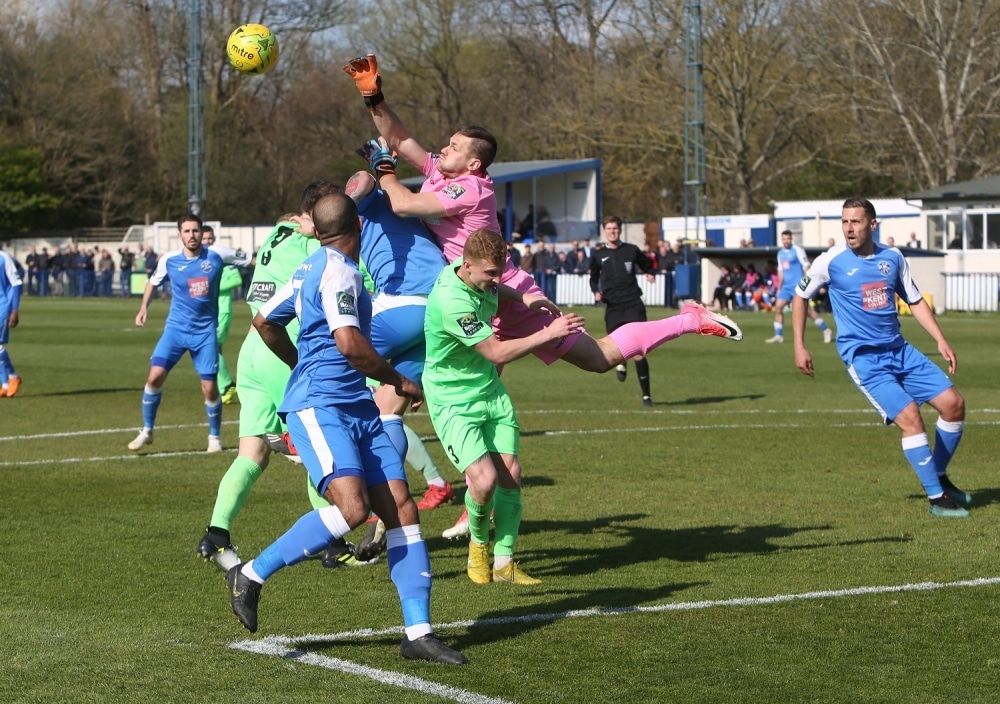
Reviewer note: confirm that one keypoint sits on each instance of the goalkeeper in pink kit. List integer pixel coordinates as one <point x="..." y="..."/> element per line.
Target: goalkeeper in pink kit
<point x="457" y="198"/>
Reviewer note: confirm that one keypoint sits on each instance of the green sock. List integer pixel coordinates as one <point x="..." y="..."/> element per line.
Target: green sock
<point x="315" y="499"/>
<point x="224" y="379"/>
<point x="234" y="490"/>
<point x="479" y="519"/>
<point x="418" y="457"/>
<point x="507" y="519"/>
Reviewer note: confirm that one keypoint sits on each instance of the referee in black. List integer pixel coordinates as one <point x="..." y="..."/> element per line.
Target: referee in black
<point x="613" y="271"/>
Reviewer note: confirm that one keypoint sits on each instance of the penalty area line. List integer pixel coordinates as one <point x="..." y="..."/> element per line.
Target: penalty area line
<point x="286" y="646"/>
<point x="394" y="679"/>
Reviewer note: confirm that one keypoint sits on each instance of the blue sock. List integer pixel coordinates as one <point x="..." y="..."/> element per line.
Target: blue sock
<point x="150" y="404"/>
<point x="214" y="412"/>
<point x="310" y="535"/>
<point x="820" y="324"/>
<point x="947" y="436"/>
<point x="410" y="571"/>
<point x="779" y="329"/>
<point x="918" y="454"/>
<point x="393" y="425"/>
<point x="6" y="366"/>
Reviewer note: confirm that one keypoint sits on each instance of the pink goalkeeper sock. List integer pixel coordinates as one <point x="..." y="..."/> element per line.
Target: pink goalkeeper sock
<point x="640" y="338"/>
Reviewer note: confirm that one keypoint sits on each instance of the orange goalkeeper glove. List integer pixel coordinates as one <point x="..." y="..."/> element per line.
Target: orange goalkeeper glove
<point x="364" y="71"/>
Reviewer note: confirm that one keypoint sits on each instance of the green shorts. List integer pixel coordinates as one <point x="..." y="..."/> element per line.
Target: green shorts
<point x="260" y="383"/>
<point x="469" y="431"/>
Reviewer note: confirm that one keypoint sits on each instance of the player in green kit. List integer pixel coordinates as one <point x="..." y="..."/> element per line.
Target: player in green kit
<point x="262" y="378"/>
<point x="469" y="406"/>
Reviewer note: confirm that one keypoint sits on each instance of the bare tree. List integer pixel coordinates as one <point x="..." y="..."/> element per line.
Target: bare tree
<point x="758" y="97"/>
<point x="923" y="80"/>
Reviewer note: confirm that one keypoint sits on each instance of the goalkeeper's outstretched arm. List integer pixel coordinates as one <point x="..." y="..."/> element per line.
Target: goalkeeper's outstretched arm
<point x="364" y="71"/>
<point x="395" y="133"/>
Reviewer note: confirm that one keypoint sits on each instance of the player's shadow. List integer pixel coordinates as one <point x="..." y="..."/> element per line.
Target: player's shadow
<point x="513" y="621"/>
<point x="633" y="544"/>
<point x="981" y="498"/>
<point x="535" y="481"/>
<point x="638" y="543"/>
<point x="83" y="392"/>
<point x="704" y="400"/>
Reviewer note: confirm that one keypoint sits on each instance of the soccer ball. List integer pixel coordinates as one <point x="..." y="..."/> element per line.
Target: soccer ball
<point x="252" y="49"/>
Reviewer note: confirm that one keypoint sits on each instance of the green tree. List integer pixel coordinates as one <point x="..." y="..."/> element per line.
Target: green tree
<point x="23" y="198"/>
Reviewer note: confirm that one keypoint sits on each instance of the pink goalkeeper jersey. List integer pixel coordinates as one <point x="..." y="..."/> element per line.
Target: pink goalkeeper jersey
<point x="469" y="205"/>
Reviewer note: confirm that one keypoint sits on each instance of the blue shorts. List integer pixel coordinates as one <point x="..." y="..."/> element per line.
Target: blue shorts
<point x="335" y="442"/>
<point x="787" y="293"/>
<point x="892" y="379"/>
<point x="398" y="332"/>
<point x="203" y="347"/>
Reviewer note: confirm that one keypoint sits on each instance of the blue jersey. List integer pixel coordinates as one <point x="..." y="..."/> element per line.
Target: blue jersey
<point x="863" y="294"/>
<point x="326" y="293"/>
<point x="10" y="284"/>
<point x="402" y="258"/>
<point x="792" y="263"/>
<point x="194" y="282"/>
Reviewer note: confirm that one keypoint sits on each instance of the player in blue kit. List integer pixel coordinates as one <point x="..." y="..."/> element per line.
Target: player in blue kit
<point x="792" y="266"/>
<point x="10" y="302"/>
<point x="403" y="260"/>
<point x="335" y="426"/>
<point x="194" y="273"/>
<point x="864" y="278"/>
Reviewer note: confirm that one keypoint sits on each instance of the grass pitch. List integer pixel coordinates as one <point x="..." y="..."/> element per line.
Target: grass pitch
<point x="726" y="545"/>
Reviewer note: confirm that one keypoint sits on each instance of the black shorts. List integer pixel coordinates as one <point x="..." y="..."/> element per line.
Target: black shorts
<point x="617" y="315"/>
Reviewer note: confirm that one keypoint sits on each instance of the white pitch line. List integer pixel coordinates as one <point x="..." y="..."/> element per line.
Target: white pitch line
<point x="596" y="411"/>
<point x="284" y="646"/>
<point x="105" y="431"/>
<point x="526" y="436"/>
<point x="395" y="679"/>
<point x="114" y="458"/>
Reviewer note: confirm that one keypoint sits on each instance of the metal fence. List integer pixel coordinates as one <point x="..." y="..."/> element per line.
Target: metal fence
<point x="968" y="291"/>
<point x="574" y="290"/>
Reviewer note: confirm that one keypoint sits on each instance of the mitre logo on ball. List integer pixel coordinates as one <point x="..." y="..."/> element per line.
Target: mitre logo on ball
<point x="252" y="49"/>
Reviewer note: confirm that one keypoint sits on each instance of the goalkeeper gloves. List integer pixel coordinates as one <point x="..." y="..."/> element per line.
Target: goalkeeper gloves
<point x="364" y="71"/>
<point x="380" y="158"/>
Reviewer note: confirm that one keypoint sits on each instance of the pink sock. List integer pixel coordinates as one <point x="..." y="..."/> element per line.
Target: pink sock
<point x="640" y="338"/>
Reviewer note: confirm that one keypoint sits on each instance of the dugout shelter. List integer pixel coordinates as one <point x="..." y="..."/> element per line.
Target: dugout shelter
<point x="567" y="190"/>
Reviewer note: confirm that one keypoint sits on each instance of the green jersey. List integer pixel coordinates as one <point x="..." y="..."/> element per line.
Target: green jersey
<point x="457" y="319"/>
<point x="277" y="259"/>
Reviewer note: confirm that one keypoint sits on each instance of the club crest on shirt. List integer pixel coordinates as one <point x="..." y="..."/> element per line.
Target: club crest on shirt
<point x="453" y="191"/>
<point x="206" y="266"/>
<point x="628" y="267"/>
<point x="884" y="267"/>
<point x="470" y="324"/>
<point x="346" y="304"/>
